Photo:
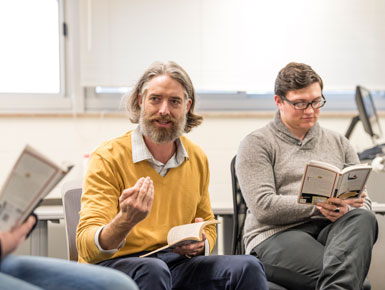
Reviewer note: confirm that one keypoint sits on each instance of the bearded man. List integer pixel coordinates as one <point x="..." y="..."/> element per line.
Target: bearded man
<point x="149" y="180"/>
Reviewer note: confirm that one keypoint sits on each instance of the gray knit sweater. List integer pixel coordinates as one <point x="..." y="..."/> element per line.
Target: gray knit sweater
<point x="270" y="164"/>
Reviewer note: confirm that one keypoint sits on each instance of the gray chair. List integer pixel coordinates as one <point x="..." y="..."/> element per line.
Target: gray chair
<point x="71" y="205"/>
<point x="240" y="210"/>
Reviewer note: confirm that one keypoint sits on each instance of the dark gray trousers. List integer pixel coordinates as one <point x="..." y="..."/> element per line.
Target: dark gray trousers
<point x="321" y="254"/>
<point x="168" y="270"/>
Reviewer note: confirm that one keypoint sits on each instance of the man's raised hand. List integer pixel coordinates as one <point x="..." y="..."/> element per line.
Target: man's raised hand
<point x="136" y="202"/>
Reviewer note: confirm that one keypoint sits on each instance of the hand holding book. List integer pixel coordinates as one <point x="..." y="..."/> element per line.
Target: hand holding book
<point x="10" y="240"/>
<point x="191" y="248"/>
<point x="185" y="236"/>
<point x="333" y="209"/>
<point x="30" y="180"/>
<point x="357" y="202"/>
<point x="336" y="207"/>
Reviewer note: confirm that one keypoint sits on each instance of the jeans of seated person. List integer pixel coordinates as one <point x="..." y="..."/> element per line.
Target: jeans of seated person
<point x="321" y="254"/>
<point x="168" y="270"/>
<point x="32" y="273"/>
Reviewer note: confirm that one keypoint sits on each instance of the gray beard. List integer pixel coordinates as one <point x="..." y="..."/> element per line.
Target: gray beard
<point x="161" y="135"/>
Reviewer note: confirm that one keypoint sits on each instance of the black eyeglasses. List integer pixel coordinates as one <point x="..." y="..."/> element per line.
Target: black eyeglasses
<point x="316" y="104"/>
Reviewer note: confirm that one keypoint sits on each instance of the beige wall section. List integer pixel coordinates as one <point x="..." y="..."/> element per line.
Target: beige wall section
<point x="67" y="138"/>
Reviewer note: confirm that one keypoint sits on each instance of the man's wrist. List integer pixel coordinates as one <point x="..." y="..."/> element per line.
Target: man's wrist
<point x="120" y="223"/>
<point x="102" y="249"/>
<point x="111" y="235"/>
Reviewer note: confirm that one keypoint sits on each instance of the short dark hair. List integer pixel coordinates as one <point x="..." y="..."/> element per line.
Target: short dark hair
<point x="177" y="73"/>
<point x="295" y="76"/>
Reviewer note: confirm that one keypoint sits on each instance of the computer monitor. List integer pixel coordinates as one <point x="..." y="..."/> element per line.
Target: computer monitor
<point x="367" y="115"/>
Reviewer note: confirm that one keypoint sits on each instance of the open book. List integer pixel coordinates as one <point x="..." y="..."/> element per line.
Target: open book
<point x="184" y="234"/>
<point x="323" y="180"/>
<point x="32" y="177"/>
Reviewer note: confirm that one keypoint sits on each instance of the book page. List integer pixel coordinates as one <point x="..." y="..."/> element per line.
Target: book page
<point x="353" y="182"/>
<point x="30" y="180"/>
<point x="183" y="234"/>
<point x="325" y="165"/>
<point x="355" y="166"/>
<point x="317" y="185"/>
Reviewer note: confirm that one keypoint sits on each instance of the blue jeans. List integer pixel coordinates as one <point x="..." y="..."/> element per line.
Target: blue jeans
<point x="33" y="273"/>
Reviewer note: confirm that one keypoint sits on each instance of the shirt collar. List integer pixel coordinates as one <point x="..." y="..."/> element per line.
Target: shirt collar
<point x="140" y="151"/>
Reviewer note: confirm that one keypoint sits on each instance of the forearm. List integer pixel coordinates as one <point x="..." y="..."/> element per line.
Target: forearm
<point x="88" y="250"/>
<point x="115" y="232"/>
<point x="281" y="210"/>
<point x="6" y="245"/>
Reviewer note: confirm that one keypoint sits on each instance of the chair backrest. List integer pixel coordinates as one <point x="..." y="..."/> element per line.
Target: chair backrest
<point x="71" y="205"/>
<point x="239" y="216"/>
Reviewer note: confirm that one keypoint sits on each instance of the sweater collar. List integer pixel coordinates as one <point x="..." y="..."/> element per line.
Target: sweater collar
<point x="286" y="135"/>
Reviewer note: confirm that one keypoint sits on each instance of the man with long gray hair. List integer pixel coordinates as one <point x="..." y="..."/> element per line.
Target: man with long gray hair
<point x="142" y="184"/>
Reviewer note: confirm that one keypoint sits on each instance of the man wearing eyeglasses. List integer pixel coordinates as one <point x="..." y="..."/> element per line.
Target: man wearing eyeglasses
<point x="327" y="246"/>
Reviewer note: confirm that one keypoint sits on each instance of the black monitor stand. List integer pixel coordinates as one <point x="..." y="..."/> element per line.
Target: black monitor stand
<point x="353" y="123"/>
<point x="370" y="153"/>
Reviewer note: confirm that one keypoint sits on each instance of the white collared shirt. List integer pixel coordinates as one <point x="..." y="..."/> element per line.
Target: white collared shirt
<point x="140" y="152"/>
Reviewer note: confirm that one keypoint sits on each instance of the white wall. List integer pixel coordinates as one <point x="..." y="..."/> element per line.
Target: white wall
<point x="68" y="139"/>
<point x="234" y="44"/>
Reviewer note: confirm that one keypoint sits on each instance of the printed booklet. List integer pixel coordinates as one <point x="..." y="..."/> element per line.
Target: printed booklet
<point x="32" y="177"/>
<point x="322" y="180"/>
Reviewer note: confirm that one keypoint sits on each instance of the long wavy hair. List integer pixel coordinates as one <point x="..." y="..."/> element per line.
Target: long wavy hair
<point x="177" y="73"/>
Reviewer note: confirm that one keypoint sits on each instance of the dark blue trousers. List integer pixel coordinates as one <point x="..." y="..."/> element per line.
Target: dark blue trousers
<point x="168" y="270"/>
<point x="321" y="254"/>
